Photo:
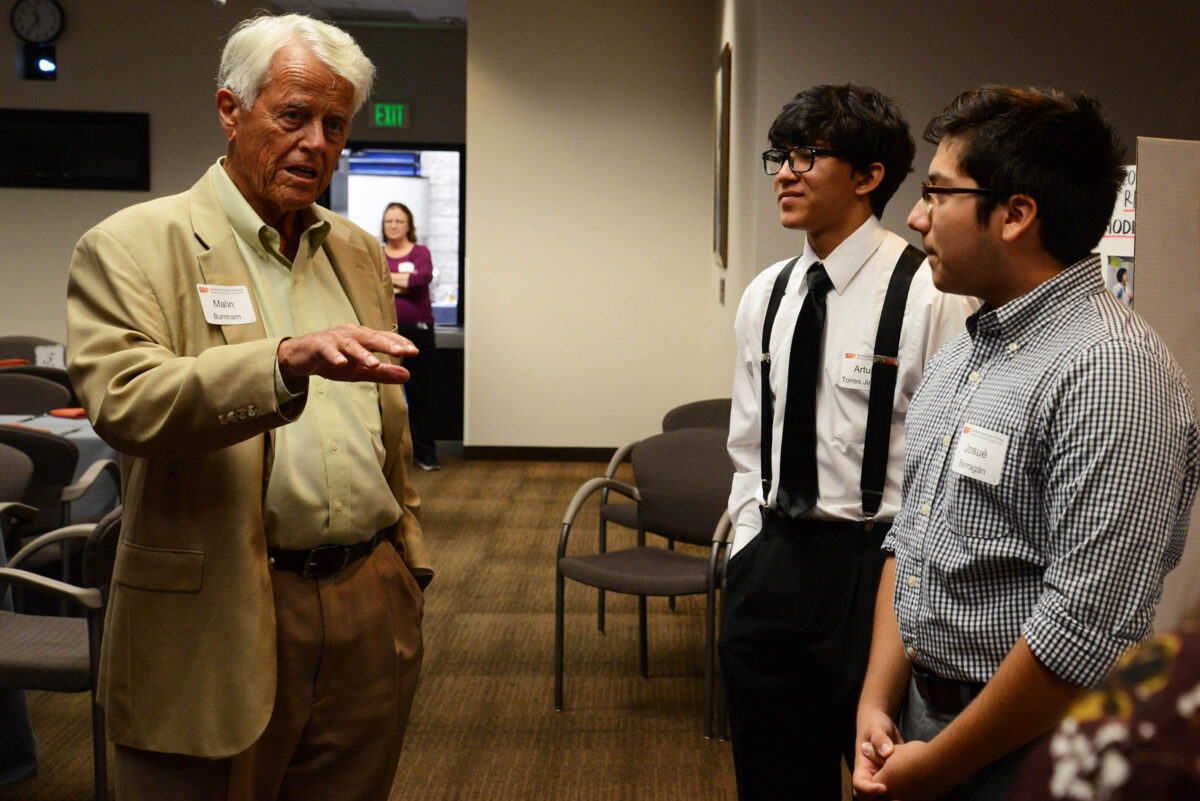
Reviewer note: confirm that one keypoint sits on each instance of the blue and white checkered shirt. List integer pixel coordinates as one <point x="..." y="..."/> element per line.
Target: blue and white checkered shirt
<point x="1051" y="463"/>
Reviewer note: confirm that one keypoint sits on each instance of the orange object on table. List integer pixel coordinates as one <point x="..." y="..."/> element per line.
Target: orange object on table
<point x="13" y="362"/>
<point x="72" y="412"/>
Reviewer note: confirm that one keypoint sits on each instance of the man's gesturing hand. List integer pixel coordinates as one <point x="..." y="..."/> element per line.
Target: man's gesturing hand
<point x="345" y="353"/>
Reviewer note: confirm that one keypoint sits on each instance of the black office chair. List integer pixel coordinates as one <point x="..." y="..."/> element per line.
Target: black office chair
<point x="29" y="394"/>
<point x="51" y="492"/>
<point x="23" y="347"/>
<point x="55" y="374"/>
<point x="711" y="413"/>
<point x="62" y="654"/>
<point x="683" y="480"/>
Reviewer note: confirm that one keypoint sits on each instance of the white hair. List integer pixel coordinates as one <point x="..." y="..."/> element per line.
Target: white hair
<point x="246" y="60"/>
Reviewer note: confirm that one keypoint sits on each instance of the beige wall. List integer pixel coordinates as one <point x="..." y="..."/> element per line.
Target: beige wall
<point x="590" y="280"/>
<point x="1138" y="61"/>
<point x="161" y="58"/>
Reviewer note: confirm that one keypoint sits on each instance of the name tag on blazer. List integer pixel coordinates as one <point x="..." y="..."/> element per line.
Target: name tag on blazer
<point x="226" y="305"/>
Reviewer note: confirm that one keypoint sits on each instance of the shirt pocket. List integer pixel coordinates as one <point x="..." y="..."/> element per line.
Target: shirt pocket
<point x="848" y="402"/>
<point x="975" y="509"/>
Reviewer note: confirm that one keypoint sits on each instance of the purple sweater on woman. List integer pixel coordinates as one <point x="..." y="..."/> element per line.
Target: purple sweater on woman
<point x="414" y="307"/>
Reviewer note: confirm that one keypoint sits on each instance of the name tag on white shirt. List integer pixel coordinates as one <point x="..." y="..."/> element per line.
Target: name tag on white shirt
<point x="226" y="305"/>
<point x="980" y="454"/>
<point x="855" y="372"/>
<point x="406" y="267"/>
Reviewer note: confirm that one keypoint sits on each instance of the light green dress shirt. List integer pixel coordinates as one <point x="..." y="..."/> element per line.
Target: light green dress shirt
<point x="326" y="483"/>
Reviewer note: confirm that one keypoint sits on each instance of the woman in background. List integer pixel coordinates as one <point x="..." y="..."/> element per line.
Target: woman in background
<point x="412" y="270"/>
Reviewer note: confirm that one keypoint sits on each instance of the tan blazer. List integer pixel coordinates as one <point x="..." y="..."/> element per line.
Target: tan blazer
<point x="188" y="660"/>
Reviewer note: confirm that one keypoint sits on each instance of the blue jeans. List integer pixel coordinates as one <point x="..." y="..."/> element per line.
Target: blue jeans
<point x="991" y="783"/>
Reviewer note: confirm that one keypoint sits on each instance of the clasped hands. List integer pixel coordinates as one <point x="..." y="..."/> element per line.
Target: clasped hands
<point x="890" y="769"/>
<point x="345" y="353"/>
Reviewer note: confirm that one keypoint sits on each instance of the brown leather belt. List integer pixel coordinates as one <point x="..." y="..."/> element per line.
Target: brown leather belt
<point x="947" y="697"/>
<point x="323" y="561"/>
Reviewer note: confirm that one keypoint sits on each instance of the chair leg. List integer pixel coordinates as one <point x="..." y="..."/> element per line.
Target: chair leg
<point x="600" y="593"/>
<point x="643" y="660"/>
<point x="99" y="751"/>
<point x="95" y="627"/>
<point x="671" y="599"/>
<point x="63" y="608"/>
<point x="709" y="657"/>
<point x="558" y="642"/>
<point x="722" y="701"/>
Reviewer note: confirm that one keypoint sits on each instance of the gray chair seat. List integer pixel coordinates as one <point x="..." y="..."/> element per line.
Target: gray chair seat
<point x="640" y="571"/>
<point x="44" y="653"/>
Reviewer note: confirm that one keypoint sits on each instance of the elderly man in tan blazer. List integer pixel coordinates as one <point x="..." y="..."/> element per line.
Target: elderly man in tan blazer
<point x="236" y="343"/>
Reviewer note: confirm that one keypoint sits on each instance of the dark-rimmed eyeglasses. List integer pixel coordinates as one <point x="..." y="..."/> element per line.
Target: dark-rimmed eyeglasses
<point x="799" y="159"/>
<point x="928" y="190"/>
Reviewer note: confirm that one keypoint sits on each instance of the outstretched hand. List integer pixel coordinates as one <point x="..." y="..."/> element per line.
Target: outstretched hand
<point x="345" y="353"/>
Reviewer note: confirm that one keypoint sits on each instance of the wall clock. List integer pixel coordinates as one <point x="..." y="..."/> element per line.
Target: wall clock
<point x="37" y="21"/>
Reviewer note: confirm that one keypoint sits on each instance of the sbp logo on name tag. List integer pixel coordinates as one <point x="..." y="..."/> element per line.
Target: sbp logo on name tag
<point x="226" y="305"/>
<point x="980" y="454"/>
<point x="855" y="371"/>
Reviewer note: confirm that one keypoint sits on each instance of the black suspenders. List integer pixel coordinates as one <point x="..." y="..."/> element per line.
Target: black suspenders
<point x="884" y="370"/>
<point x="768" y="403"/>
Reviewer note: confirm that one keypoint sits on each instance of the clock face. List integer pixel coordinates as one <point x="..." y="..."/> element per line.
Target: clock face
<point x="37" y="21"/>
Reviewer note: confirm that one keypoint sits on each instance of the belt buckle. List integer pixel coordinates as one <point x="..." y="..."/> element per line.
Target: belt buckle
<point x="325" y="561"/>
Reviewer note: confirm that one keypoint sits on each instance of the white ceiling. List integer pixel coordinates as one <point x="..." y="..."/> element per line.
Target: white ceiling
<point x="428" y="12"/>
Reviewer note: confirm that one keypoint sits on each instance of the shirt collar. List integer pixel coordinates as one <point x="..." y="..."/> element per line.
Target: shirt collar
<point x="1018" y="319"/>
<point x="847" y="258"/>
<point x="249" y="226"/>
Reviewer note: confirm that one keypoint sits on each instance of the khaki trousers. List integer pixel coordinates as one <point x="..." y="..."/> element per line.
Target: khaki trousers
<point x="349" y="651"/>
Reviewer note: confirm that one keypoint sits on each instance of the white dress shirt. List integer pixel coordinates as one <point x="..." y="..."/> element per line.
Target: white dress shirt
<point x="860" y="269"/>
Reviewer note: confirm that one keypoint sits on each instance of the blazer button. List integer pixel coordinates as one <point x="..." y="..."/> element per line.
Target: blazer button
<point x="222" y="419"/>
<point x="252" y="410"/>
<point x="241" y="414"/>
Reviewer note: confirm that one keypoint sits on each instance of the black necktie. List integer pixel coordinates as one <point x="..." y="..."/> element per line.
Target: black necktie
<point x="798" y="452"/>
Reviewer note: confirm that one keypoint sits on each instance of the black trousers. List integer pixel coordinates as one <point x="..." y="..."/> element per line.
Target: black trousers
<point x="418" y="391"/>
<point x="795" y="637"/>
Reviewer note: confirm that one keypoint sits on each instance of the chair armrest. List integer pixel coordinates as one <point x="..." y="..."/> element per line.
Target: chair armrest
<point x="621" y="455"/>
<point x="26" y="514"/>
<point x="589" y="488"/>
<point x="717" y="560"/>
<point x="724" y="526"/>
<point x="77" y="531"/>
<point x="79" y="488"/>
<point x="84" y="596"/>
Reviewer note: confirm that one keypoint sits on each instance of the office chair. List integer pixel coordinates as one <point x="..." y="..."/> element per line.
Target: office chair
<point x="62" y="654"/>
<point x="682" y="481"/>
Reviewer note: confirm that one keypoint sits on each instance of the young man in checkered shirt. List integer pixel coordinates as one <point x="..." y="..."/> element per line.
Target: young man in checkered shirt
<point x="1051" y="459"/>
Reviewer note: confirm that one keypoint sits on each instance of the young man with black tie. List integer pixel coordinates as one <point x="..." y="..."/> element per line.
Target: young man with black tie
<point x="845" y="327"/>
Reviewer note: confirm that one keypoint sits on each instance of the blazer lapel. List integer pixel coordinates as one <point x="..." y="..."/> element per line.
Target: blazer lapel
<point x="359" y="279"/>
<point x="222" y="263"/>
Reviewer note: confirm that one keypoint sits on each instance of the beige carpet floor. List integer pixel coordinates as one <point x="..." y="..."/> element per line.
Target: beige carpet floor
<point x="483" y="725"/>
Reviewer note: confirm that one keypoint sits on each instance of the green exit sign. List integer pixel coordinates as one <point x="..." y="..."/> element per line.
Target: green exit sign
<point x="389" y="115"/>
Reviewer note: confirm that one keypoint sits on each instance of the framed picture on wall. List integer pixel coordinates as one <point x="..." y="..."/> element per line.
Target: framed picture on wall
<point x="721" y="161"/>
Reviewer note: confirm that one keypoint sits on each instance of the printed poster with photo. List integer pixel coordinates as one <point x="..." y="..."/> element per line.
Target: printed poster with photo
<point x="1116" y="246"/>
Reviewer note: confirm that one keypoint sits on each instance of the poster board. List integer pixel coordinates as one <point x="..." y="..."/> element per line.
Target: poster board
<point x="1167" y="252"/>
<point x="1116" y="246"/>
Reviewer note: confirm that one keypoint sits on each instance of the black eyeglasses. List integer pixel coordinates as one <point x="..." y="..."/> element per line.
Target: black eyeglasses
<point x="928" y="189"/>
<point x="799" y="159"/>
